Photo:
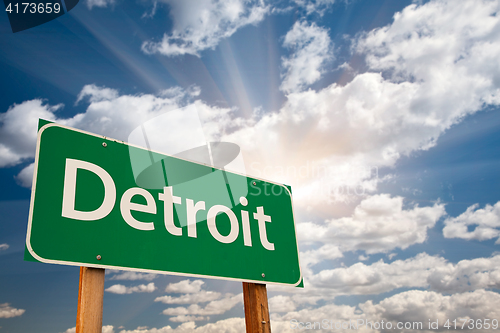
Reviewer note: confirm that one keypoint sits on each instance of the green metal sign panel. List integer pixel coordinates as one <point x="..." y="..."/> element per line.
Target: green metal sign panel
<point x="100" y="202"/>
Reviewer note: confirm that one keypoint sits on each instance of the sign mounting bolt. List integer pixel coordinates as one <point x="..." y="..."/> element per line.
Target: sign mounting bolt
<point x="98" y="257"/>
<point x="263" y="275"/>
<point x="104" y="144"/>
<point x="255" y="183"/>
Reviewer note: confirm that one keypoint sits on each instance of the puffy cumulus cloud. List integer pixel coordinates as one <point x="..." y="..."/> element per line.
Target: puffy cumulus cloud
<point x="18" y="130"/>
<point x="132" y="276"/>
<point x="378" y="224"/>
<point x="281" y="303"/>
<point x="105" y="329"/>
<point x="322" y="315"/>
<point x="121" y="289"/>
<point x="421" y="271"/>
<point x="315" y="6"/>
<point x="310" y="258"/>
<point x="97" y="94"/>
<point x="197" y="297"/>
<point x="216" y="307"/>
<point x="230" y="325"/>
<point x="184" y="318"/>
<point x="311" y="50"/>
<point x="185" y="286"/>
<point x="200" y="25"/>
<point x="99" y="3"/>
<point x="186" y="327"/>
<point x="4" y="246"/>
<point x="193" y="294"/>
<point x="378" y="277"/>
<point x="25" y="177"/>
<point x="416" y="306"/>
<point x="117" y="115"/>
<point x="486" y="221"/>
<point x="435" y="64"/>
<point x="466" y="275"/>
<point x="108" y="113"/>
<point x="427" y="37"/>
<point x="6" y="311"/>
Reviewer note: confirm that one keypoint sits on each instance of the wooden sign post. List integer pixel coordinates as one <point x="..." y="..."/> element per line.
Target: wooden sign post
<point x="90" y="299"/>
<point x="256" y="308"/>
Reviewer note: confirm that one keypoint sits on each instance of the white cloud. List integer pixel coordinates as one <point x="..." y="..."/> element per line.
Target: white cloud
<point x="376" y="278"/>
<point x="117" y="115"/>
<point x="315" y="6"/>
<point x="426" y="43"/>
<point x="422" y="306"/>
<point x="105" y="329"/>
<point x="4" y="246"/>
<point x="18" y="130"/>
<point x="213" y="308"/>
<point x="310" y="258"/>
<point x="97" y="94"/>
<point x="435" y="64"/>
<point x="132" y="276"/>
<point x="337" y="313"/>
<point x="112" y="115"/>
<point x="183" y="318"/>
<point x="186" y="327"/>
<point x="311" y="47"/>
<point x="466" y="275"/>
<point x="281" y="303"/>
<point x="486" y="221"/>
<point x="6" y="311"/>
<point x="200" y="25"/>
<point x="185" y="287"/>
<point x="25" y="177"/>
<point x="421" y="271"/>
<point x="410" y="307"/>
<point x="193" y="295"/>
<point x="391" y="255"/>
<point x="108" y="114"/>
<point x="379" y="224"/>
<point x="99" y="3"/>
<point x="121" y="289"/>
<point x="198" y="297"/>
<point x="230" y="325"/>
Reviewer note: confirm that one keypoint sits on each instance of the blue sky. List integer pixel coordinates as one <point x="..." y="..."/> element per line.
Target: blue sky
<point x="381" y="115"/>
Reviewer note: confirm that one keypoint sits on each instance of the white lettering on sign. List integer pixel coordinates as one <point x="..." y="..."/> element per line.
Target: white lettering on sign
<point x="212" y="227"/>
<point x="168" y="198"/>
<point x="126" y="206"/>
<point x="68" y="204"/>
<point x="262" y="218"/>
<point x="192" y="209"/>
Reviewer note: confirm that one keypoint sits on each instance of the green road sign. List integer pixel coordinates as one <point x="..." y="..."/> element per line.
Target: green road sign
<point x="100" y="202"/>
